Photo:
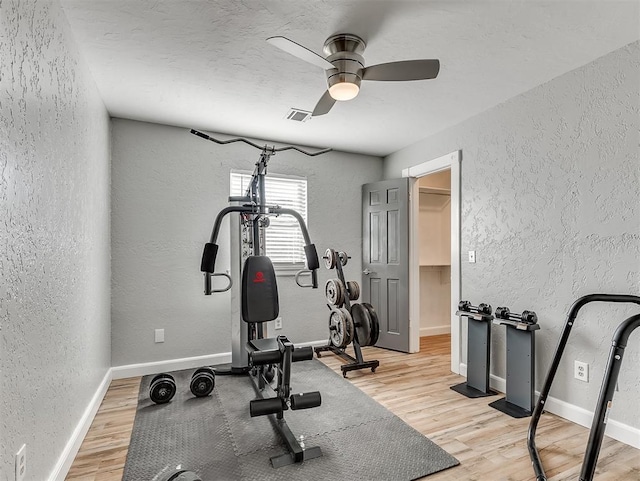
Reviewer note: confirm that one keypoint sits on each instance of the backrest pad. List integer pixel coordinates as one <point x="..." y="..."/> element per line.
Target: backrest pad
<point x="259" y="290"/>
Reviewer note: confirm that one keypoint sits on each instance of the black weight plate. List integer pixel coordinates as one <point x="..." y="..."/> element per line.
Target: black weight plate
<point x="162" y="375"/>
<point x="334" y="291"/>
<point x="340" y="327"/>
<point x="203" y="369"/>
<point x="362" y="322"/>
<point x="349" y="328"/>
<point x="162" y="390"/>
<point x="375" y="324"/>
<point x="330" y="257"/>
<point x="354" y="290"/>
<point x="202" y="384"/>
<point x="336" y="327"/>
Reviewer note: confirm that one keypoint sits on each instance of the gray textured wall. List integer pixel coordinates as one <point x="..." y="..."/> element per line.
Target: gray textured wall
<point x="54" y="264"/>
<point x="168" y="186"/>
<point x="550" y="183"/>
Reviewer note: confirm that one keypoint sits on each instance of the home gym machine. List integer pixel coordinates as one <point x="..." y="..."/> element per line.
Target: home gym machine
<point x="255" y="302"/>
<point x="349" y="323"/>
<point x="609" y="381"/>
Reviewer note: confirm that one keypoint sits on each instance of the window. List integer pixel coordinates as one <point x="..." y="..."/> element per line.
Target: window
<point x="284" y="240"/>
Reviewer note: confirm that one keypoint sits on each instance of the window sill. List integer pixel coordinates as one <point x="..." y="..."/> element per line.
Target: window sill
<point x="288" y="270"/>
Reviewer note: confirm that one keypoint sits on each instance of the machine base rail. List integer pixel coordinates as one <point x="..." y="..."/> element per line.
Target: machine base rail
<point x="354" y="365"/>
<point x="295" y="452"/>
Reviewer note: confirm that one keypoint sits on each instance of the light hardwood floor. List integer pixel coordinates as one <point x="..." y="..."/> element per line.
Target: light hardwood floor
<point x="490" y="445"/>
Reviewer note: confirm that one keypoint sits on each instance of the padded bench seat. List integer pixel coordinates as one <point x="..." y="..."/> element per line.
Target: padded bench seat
<point x="268" y="344"/>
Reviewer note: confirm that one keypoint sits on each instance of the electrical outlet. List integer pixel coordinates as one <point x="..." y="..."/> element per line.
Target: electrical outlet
<point x="21" y="463"/>
<point x="278" y="323"/>
<point x="159" y="335"/>
<point x="581" y="371"/>
<point x="472" y="257"/>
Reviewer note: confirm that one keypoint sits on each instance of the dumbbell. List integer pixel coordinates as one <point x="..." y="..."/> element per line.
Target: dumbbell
<point x="481" y="308"/>
<point x="528" y="317"/>
<point x="203" y="381"/>
<point x="162" y="388"/>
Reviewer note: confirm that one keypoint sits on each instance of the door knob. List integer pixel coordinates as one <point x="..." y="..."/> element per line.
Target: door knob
<point x="367" y="271"/>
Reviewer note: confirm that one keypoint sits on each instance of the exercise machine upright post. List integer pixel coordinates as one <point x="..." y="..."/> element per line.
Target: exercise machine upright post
<point x="608" y="386"/>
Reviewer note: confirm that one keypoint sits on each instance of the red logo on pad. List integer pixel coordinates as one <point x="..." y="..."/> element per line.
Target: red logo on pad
<point x="259" y="277"/>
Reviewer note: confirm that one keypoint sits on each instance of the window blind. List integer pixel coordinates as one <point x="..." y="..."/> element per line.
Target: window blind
<point x="284" y="240"/>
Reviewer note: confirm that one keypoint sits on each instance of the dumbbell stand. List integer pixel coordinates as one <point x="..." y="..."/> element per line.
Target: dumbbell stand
<point x="518" y="402"/>
<point x="478" y="347"/>
<point x="357" y="362"/>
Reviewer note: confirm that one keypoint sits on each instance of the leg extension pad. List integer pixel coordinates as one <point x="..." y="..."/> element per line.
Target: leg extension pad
<point x="262" y="407"/>
<point x="305" y="400"/>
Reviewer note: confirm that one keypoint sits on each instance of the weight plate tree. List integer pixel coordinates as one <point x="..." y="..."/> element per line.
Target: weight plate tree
<point x="355" y="324"/>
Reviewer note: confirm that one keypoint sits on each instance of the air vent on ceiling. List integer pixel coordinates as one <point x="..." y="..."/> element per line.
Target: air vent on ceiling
<point x="298" y="115"/>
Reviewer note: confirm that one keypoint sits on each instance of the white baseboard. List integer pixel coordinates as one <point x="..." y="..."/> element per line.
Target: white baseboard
<point x="312" y="343"/>
<point x="622" y="432"/>
<point x="142" y="369"/>
<point x="435" y="330"/>
<point x="72" y="447"/>
<point x="145" y="368"/>
<point x="619" y="431"/>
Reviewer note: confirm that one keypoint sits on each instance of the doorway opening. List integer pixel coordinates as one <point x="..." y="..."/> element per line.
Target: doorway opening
<point x="428" y="251"/>
<point x="434" y="253"/>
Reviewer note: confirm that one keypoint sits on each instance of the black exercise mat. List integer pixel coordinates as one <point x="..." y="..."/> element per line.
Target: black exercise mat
<point x="216" y="438"/>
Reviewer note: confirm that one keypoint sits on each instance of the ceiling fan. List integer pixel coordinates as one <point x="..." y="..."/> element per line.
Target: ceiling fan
<point x="345" y="68"/>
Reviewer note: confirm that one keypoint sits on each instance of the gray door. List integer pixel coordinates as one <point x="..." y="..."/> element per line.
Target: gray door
<point x="385" y="258"/>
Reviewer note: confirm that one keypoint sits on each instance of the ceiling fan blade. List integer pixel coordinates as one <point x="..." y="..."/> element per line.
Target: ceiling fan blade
<point x="299" y="51"/>
<point x="404" y="70"/>
<point x="324" y="105"/>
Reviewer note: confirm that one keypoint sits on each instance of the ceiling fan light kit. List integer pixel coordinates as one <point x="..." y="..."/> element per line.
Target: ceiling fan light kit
<point x="344" y="90"/>
<point x="345" y="68"/>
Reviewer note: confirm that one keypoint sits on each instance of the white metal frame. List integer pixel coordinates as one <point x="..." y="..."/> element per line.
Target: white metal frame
<point x="450" y="161"/>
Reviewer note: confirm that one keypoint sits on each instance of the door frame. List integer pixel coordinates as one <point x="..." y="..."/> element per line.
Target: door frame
<point x="449" y="161"/>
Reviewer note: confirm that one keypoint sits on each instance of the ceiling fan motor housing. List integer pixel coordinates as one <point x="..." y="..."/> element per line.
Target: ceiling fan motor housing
<point x="344" y="53"/>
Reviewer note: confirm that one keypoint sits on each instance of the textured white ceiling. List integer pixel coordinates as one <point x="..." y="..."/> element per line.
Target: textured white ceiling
<point x="205" y="64"/>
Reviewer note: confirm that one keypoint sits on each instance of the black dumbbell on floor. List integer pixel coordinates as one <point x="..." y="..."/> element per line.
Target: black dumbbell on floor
<point x="528" y="317"/>
<point x="162" y="388"/>
<point x="203" y="381"/>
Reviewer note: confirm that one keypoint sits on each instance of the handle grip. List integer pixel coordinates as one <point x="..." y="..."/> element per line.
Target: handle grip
<point x="314" y="278"/>
<point x="208" y="289"/>
<point x="209" y="257"/>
